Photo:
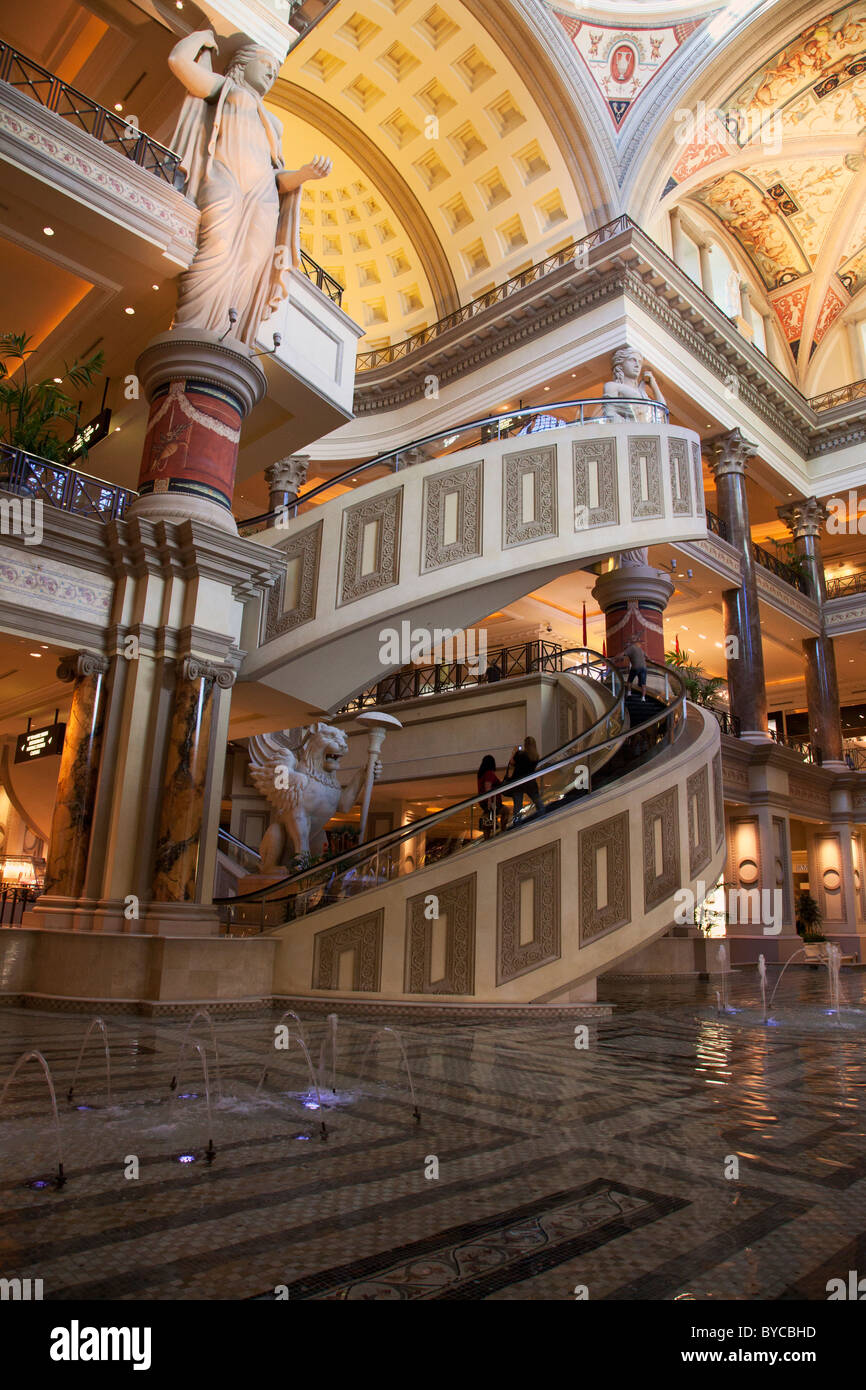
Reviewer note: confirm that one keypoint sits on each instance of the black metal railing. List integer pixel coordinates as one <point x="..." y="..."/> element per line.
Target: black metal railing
<point x="110" y="128"/>
<point x="786" y="573"/>
<point x="716" y="525"/>
<point x="14" y="902"/>
<point x="440" y="678"/>
<point x="577" y="251"/>
<point x="28" y="475"/>
<point x="845" y="584"/>
<point x="728" y="723"/>
<point x="507" y="425"/>
<point x="321" y="279"/>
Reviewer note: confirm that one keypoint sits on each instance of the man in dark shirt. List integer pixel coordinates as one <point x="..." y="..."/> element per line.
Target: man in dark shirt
<point x="634" y="654"/>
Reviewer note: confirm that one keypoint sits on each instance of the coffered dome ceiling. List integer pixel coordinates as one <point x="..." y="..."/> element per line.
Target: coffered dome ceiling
<point x="453" y="168"/>
<point x="780" y="169"/>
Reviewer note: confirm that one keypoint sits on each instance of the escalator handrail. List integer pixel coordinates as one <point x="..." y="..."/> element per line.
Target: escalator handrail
<point x="405" y="832"/>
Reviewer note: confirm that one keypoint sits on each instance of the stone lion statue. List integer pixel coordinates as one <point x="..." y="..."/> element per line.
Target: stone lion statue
<point x="296" y="770"/>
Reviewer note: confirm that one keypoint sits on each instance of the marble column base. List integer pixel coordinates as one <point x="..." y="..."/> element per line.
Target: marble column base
<point x="176" y="507"/>
<point x="755" y="736"/>
<point x="154" y="919"/>
<point x="835" y="765"/>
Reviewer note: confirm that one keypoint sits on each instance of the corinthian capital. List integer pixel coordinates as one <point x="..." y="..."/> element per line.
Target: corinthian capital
<point x="79" y="664"/>
<point x="803" y="518"/>
<point x="729" y="453"/>
<point x="288" y="475"/>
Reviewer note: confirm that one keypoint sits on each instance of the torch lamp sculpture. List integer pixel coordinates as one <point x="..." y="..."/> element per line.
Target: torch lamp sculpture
<point x="377" y="724"/>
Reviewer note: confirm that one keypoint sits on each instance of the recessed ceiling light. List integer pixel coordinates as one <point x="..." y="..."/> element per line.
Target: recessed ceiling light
<point x="703" y="636"/>
<point x="118" y="106"/>
<point x="547" y="388"/>
<point x="129" y="309"/>
<point x="48" y="231"/>
<point x="154" y="287"/>
<point x="57" y="380"/>
<point x="37" y="654"/>
<point x="116" y="429"/>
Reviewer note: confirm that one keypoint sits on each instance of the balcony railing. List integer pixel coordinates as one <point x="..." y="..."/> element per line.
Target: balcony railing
<point x="843" y="395"/>
<point x="786" y="573"/>
<point x="107" y="126"/>
<point x="28" y="475"/>
<point x="728" y="723"/>
<point x="508" y="425"/>
<point x="321" y="279"/>
<point x="578" y="251"/>
<point x="716" y="525"/>
<point x="846" y="584"/>
<point x="412" y="682"/>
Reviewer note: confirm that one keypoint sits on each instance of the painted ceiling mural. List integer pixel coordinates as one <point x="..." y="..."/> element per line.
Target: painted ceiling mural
<point x="781" y="166"/>
<point x="623" y="60"/>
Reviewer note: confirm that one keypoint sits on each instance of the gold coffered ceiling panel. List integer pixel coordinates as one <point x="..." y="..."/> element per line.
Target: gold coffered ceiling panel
<point x="447" y="178"/>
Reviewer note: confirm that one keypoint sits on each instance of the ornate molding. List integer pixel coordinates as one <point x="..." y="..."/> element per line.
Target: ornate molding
<point x="729" y="453"/>
<point x="599" y="456"/>
<point x="305" y="547"/>
<point x="456" y="904"/>
<point x="194" y="669"/>
<point x="81" y="664"/>
<point x="659" y="884"/>
<point x="514" y="958"/>
<point x="467" y="483"/>
<point x="363" y="936"/>
<point x="607" y="843"/>
<point x="698" y="815"/>
<point x="386" y="510"/>
<point x="540" y="463"/>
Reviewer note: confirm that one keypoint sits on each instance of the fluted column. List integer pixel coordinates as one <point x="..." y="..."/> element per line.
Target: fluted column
<point x="804" y="520"/>
<point x="178" y="846"/>
<point x="79" y="770"/>
<point x="728" y="454"/>
<point x="706" y="268"/>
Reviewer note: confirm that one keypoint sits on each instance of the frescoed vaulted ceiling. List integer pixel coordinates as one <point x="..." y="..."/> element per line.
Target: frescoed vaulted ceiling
<point x="780" y="166"/>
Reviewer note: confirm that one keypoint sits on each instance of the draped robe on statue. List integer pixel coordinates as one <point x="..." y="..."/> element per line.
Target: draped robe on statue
<point x="248" y="237"/>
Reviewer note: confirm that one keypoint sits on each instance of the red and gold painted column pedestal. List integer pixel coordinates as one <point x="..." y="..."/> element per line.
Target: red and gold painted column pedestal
<point x="79" y="770"/>
<point x="633" y="600"/>
<point x="199" y="390"/>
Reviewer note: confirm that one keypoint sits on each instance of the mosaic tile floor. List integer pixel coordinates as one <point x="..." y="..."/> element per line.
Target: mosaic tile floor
<point x="558" y="1166"/>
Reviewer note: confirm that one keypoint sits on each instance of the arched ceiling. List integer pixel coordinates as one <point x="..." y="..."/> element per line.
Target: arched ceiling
<point x="779" y="166"/>
<point x="450" y="174"/>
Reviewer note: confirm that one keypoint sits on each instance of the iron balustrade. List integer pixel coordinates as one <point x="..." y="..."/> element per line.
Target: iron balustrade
<point x="576" y="251"/>
<point x="390" y="856"/>
<point x="845" y="584"/>
<point x="716" y="525"/>
<point x="108" y="127"/>
<point x="507" y="425"/>
<point x="14" y="902"/>
<point x="28" y="475"/>
<point x="321" y="279"/>
<point x="728" y="723"/>
<point x="787" y="573"/>
<point x="842" y="395"/>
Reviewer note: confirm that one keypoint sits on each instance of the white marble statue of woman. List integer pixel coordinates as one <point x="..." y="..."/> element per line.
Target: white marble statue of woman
<point x="627" y="387"/>
<point x="230" y="151"/>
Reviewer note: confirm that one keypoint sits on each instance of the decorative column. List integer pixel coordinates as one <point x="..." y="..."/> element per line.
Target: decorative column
<point x="676" y="235"/>
<point x="706" y="268"/>
<point x="176" y="877"/>
<point x="728" y="454"/>
<point x="79" y="771"/>
<point x="285" y="478"/>
<point x="200" y="388"/>
<point x="855" y="343"/>
<point x="633" y="598"/>
<point x="804" y="520"/>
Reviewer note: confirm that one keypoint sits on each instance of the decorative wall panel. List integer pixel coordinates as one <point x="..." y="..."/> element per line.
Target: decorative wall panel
<point x="539" y="465"/>
<point x="681" y="491"/>
<point x="645" y="477"/>
<point x="661" y="815"/>
<point x="456" y="905"/>
<point x="513" y="956"/>
<point x="718" y="798"/>
<point x="605" y="898"/>
<point x="362" y="936"/>
<point x="304" y="549"/>
<point x="698" y="811"/>
<point x="386" y="511"/>
<point x="596" y="499"/>
<point x="699" y="480"/>
<point x="438" y="552"/>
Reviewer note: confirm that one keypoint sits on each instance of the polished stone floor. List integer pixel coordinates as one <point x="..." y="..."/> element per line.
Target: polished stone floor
<point x="560" y="1167"/>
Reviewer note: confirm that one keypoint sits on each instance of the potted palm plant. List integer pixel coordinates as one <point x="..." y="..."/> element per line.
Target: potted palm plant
<point x="809" y="922"/>
<point x="39" y="416"/>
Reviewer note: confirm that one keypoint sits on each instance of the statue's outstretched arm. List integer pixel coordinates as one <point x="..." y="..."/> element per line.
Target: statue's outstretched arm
<point x="199" y="80"/>
<point x="289" y="179"/>
<point x="656" y="389"/>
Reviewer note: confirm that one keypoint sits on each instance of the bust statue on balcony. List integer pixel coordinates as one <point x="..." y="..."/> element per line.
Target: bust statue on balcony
<point x="628" y="386"/>
<point x="230" y="149"/>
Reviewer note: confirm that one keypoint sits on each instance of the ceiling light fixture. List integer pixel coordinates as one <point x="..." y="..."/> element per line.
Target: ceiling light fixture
<point x="129" y="309"/>
<point x="48" y="231"/>
<point x="118" y="106"/>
